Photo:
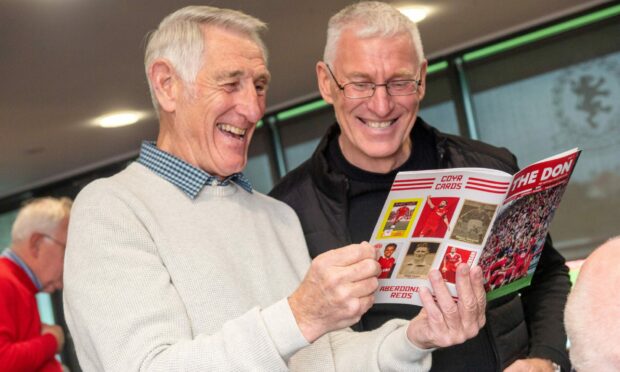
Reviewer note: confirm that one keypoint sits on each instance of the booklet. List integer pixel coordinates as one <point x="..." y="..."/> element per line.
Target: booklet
<point x="438" y="219"/>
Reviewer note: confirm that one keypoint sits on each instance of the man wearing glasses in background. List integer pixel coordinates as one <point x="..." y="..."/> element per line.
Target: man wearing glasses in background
<point x="33" y="263"/>
<point x="374" y="74"/>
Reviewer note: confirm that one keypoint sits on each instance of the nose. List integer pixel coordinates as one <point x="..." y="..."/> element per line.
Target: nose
<point x="251" y="105"/>
<point x="381" y="102"/>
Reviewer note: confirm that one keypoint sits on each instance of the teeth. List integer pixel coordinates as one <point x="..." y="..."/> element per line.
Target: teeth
<point x="232" y="129"/>
<point x="379" y="124"/>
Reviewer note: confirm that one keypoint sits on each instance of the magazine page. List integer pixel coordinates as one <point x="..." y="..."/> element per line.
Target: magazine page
<point x="518" y="235"/>
<point x="434" y="220"/>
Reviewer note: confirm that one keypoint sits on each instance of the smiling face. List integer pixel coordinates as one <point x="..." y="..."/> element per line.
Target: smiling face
<point x="213" y="119"/>
<point x="375" y="130"/>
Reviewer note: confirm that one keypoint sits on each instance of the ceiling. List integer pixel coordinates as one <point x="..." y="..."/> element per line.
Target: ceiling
<point x="64" y="62"/>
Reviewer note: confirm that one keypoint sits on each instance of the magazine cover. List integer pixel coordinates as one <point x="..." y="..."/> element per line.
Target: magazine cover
<point x="439" y="219"/>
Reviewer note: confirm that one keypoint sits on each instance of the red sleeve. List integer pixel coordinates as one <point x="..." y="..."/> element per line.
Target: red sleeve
<point x="31" y="354"/>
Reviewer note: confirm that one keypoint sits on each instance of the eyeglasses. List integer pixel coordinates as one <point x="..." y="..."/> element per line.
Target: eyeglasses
<point x="358" y="90"/>
<point x="63" y="245"/>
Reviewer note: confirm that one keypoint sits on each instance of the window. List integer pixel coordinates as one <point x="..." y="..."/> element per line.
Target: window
<point x="259" y="168"/>
<point x="556" y="95"/>
<point x="301" y="135"/>
<point x="437" y="107"/>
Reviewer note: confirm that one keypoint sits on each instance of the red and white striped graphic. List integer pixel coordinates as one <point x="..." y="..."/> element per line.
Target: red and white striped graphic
<point x="485" y="185"/>
<point x="470" y="260"/>
<point x="413" y="184"/>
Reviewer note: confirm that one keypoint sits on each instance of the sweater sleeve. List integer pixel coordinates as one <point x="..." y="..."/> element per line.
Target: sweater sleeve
<point x="384" y="349"/>
<point x="125" y="314"/>
<point x="25" y="355"/>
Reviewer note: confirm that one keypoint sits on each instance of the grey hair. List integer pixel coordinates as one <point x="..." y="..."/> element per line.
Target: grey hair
<point x="370" y="19"/>
<point x="179" y="38"/>
<point x="42" y="215"/>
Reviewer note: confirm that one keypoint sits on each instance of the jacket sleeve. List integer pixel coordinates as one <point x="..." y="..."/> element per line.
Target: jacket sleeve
<point x="543" y="303"/>
<point x="27" y="355"/>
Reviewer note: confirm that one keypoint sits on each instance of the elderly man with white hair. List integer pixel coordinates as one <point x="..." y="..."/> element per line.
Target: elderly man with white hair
<point x="33" y="263"/>
<point x="592" y="314"/>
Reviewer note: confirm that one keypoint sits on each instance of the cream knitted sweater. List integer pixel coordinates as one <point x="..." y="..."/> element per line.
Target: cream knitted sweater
<point x="155" y="281"/>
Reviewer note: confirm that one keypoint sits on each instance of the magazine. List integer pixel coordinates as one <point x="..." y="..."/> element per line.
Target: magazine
<point x="438" y="219"/>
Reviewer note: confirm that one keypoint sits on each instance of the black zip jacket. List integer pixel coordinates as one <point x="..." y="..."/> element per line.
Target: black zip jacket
<point x="525" y="324"/>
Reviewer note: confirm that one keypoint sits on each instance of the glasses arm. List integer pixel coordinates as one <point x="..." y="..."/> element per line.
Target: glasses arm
<point x="341" y="87"/>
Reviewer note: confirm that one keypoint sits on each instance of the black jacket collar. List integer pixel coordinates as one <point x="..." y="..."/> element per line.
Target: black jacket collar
<point x="333" y="183"/>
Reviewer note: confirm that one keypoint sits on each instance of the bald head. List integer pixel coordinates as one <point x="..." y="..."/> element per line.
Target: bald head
<point x="592" y="313"/>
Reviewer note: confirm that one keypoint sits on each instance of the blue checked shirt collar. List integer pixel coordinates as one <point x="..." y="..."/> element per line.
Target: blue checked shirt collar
<point x="182" y="174"/>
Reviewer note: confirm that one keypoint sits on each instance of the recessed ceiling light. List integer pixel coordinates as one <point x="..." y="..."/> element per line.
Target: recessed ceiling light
<point x="414" y="12"/>
<point x="119" y="119"/>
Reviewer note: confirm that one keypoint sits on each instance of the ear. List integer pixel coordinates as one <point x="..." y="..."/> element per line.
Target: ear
<point x="324" y="82"/>
<point x="422" y="87"/>
<point x="165" y="83"/>
<point x="34" y="241"/>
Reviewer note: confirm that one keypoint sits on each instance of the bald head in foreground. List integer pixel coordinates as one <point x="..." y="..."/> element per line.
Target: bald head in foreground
<point x="592" y="314"/>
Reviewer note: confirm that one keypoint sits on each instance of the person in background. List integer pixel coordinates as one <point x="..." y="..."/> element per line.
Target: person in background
<point x="373" y="73"/>
<point x="592" y="314"/>
<point x="177" y="264"/>
<point x="33" y="263"/>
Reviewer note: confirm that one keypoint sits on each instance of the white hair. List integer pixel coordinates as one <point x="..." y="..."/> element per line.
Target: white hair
<point x="179" y="38"/>
<point x="370" y="19"/>
<point x="42" y="215"/>
<point x="592" y="314"/>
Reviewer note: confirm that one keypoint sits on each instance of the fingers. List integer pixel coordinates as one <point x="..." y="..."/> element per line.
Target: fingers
<point x="336" y="291"/>
<point x="447" y="322"/>
<point x="349" y="255"/>
<point x="479" y="293"/>
<point x="362" y="288"/>
<point x="469" y="307"/>
<point x="434" y="314"/>
<point x="351" y="263"/>
<point x="453" y="325"/>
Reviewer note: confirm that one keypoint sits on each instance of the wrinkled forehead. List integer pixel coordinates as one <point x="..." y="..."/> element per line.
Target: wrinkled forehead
<point x="211" y="32"/>
<point x="222" y="41"/>
<point x="229" y="54"/>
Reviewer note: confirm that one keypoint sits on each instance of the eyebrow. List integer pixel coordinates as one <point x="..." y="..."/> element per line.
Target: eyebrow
<point x="229" y="75"/>
<point x="266" y="76"/>
<point x="401" y="74"/>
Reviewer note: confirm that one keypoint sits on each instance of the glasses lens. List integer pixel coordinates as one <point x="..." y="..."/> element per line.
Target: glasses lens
<point x="402" y="87"/>
<point x="359" y="90"/>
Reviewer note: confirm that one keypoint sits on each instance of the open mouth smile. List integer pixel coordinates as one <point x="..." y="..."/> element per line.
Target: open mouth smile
<point x="235" y="132"/>
<point x="378" y="124"/>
